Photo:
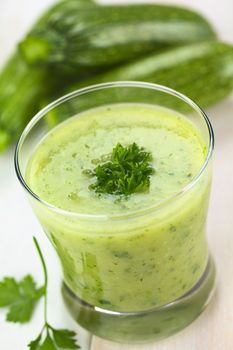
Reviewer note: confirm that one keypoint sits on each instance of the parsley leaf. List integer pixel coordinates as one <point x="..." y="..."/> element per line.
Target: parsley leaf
<point x="20" y="297"/>
<point x="55" y="339"/>
<point x="33" y="345"/>
<point x="128" y="171"/>
<point x="48" y="344"/>
<point x="65" y="339"/>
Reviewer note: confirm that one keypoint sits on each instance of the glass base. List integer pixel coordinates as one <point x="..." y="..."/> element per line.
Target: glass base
<point x="155" y="324"/>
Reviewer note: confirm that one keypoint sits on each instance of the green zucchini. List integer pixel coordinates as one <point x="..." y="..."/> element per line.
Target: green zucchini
<point x="100" y="36"/>
<point x="22" y="87"/>
<point x="203" y="72"/>
<point x="21" y="91"/>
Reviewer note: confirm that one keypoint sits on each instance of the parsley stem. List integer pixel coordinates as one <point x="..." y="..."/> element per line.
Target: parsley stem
<point x="45" y="277"/>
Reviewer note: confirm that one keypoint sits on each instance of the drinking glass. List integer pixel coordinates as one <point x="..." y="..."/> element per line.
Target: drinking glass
<point x="138" y="276"/>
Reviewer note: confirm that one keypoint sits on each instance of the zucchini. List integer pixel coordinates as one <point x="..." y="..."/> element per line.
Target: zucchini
<point x="21" y="91"/>
<point x="203" y="72"/>
<point x="99" y="36"/>
<point x="22" y="87"/>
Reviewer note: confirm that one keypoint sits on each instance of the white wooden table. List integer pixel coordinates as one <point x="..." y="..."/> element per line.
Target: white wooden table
<point x="213" y="330"/>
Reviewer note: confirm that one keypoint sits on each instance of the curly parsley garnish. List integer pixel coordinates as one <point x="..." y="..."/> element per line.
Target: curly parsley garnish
<point x="127" y="171"/>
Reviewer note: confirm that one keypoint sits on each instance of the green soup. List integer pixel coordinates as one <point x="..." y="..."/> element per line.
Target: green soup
<point x="125" y="253"/>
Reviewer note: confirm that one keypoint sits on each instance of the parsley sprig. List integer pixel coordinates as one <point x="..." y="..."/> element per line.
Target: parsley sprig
<point x="127" y="171"/>
<point x="21" y="298"/>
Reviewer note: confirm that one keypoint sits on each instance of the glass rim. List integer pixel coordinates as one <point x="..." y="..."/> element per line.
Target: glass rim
<point x="136" y="84"/>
